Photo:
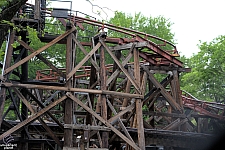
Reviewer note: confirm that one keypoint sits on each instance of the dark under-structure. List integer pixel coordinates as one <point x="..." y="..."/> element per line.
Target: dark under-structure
<point x="123" y="93"/>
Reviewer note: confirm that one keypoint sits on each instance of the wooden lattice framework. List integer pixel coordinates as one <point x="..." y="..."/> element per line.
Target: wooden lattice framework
<point x="104" y="106"/>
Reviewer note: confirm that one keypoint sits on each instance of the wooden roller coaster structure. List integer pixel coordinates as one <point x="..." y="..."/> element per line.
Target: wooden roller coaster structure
<point x="124" y="93"/>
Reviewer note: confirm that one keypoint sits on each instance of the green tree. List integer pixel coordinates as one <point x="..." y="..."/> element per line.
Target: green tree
<point x="207" y="79"/>
<point x="156" y="26"/>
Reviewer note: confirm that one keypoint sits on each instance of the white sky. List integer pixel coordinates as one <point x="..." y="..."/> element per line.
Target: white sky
<point x="193" y="20"/>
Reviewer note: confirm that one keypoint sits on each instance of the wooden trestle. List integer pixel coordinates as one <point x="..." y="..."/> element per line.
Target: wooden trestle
<point x="125" y="92"/>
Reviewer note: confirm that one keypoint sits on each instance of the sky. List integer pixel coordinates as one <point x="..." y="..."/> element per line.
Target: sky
<point x="194" y="20"/>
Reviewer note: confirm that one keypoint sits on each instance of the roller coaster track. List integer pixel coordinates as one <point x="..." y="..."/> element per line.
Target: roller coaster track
<point x="123" y="92"/>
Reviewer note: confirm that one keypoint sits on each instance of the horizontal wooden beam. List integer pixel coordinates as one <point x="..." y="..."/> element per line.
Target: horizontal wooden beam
<point x="128" y="46"/>
<point x="86" y="127"/>
<point x="44" y="87"/>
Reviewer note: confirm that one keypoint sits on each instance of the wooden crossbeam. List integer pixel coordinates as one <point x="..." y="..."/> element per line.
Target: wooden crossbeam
<point x="124" y="62"/>
<point x="51" y="133"/>
<point x="119" y="120"/>
<point x="168" y="97"/>
<point x="39" y="50"/>
<point x="86" y="53"/>
<point x="24" y="100"/>
<point x="118" y="115"/>
<point x="103" y="121"/>
<point x="44" y="87"/>
<point x="39" y="56"/>
<point x="32" y="118"/>
<point x="89" y="55"/>
<point x="43" y="106"/>
<point x="121" y="66"/>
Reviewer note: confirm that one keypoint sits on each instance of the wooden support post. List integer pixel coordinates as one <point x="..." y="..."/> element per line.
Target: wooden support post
<point x="24" y="78"/>
<point x="151" y="108"/>
<point x="121" y="67"/>
<point x="168" y="97"/>
<point x="199" y="123"/>
<point x="9" y="69"/>
<point x="140" y="125"/>
<point x="113" y="84"/>
<point x="93" y="79"/>
<point x="103" y="121"/>
<point x="37" y="10"/>
<point x="177" y="91"/>
<point x="105" y="135"/>
<point x="68" y="117"/>
<point x="8" y="58"/>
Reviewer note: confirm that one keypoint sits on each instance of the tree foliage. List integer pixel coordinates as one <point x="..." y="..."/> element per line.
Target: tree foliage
<point x="156" y="26"/>
<point x="207" y="79"/>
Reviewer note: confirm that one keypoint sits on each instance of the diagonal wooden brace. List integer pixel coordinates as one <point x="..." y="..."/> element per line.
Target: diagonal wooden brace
<point x="39" y="51"/>
<point x="103" y="121"/>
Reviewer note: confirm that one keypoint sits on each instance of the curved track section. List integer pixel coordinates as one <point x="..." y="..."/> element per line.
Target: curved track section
<point x="113" y="93"/>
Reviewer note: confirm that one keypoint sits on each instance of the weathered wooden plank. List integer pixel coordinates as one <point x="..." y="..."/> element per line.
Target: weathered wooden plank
<point x="39" y="56"/>
<point x="177" y="123"/>
<point x="103" y="121"/>
<point x="77" y="126"/>
<point x="51" y="133"/>
<point x="42" y="106"/>
<point x="124" y="62"/>
<point x="177" y="88"/>
<point x="128" y="46"/>
<point x="89" y="55"/>
<point x="44" y="87"/>
<point x="140" y="125"/>
<point x="121" y="67"/>
<point x="115" y="117"/>
<point x="120" y="122"/>
<point x="168" y="97"/>
<point x="68" y="109"/>
<point x="37" y="10"/>
<point x="32" y="118"/>
<point x="24" y="100"/>
<point x="95" y="122"/>
<point x="39" y="51"/>
<point x="169" y="68"/>
<point x="86" y="53"/>
<point x="8" y="58"/>
<point x="105" y="135"/>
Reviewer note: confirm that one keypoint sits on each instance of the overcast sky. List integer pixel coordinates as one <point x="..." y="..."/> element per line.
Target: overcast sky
<point x="193" y="20"/>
